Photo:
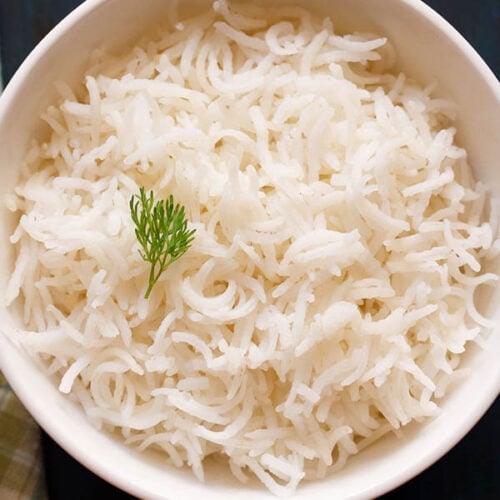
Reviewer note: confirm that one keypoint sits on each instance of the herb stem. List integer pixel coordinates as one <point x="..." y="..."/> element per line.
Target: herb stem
<point x="161" y="229"/>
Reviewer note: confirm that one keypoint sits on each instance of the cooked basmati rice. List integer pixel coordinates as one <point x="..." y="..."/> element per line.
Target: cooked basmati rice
<point x="329" y="292"/>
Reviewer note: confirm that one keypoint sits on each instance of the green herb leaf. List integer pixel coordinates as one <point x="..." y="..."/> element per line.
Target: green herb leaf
<point x="161" y="229"/>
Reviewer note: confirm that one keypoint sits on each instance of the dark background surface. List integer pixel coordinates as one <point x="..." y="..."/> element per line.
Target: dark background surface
<point x="472" y="469"/>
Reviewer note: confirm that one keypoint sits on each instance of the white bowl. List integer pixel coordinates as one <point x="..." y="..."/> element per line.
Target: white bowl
<point x="428" y="49"/>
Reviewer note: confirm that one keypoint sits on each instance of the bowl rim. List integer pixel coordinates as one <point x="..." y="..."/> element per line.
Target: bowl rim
<point x="107" y="471"/>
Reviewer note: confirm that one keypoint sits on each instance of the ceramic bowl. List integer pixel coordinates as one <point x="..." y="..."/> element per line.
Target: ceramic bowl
<point x="428" y="49"/>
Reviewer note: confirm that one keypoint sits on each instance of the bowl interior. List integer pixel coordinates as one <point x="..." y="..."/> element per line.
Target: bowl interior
<point x="423" y="41"/>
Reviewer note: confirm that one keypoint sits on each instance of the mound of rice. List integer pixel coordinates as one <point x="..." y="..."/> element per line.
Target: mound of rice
<point x="329" y="292"/>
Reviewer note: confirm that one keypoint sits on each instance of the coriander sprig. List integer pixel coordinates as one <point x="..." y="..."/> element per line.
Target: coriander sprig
<point x="161" y="229"/>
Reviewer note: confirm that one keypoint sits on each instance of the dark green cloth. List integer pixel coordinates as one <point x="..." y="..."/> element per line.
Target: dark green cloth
<point x="21" y="473"/>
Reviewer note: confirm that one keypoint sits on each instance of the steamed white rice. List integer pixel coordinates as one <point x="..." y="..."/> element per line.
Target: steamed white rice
<point x="329" y="292"/>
